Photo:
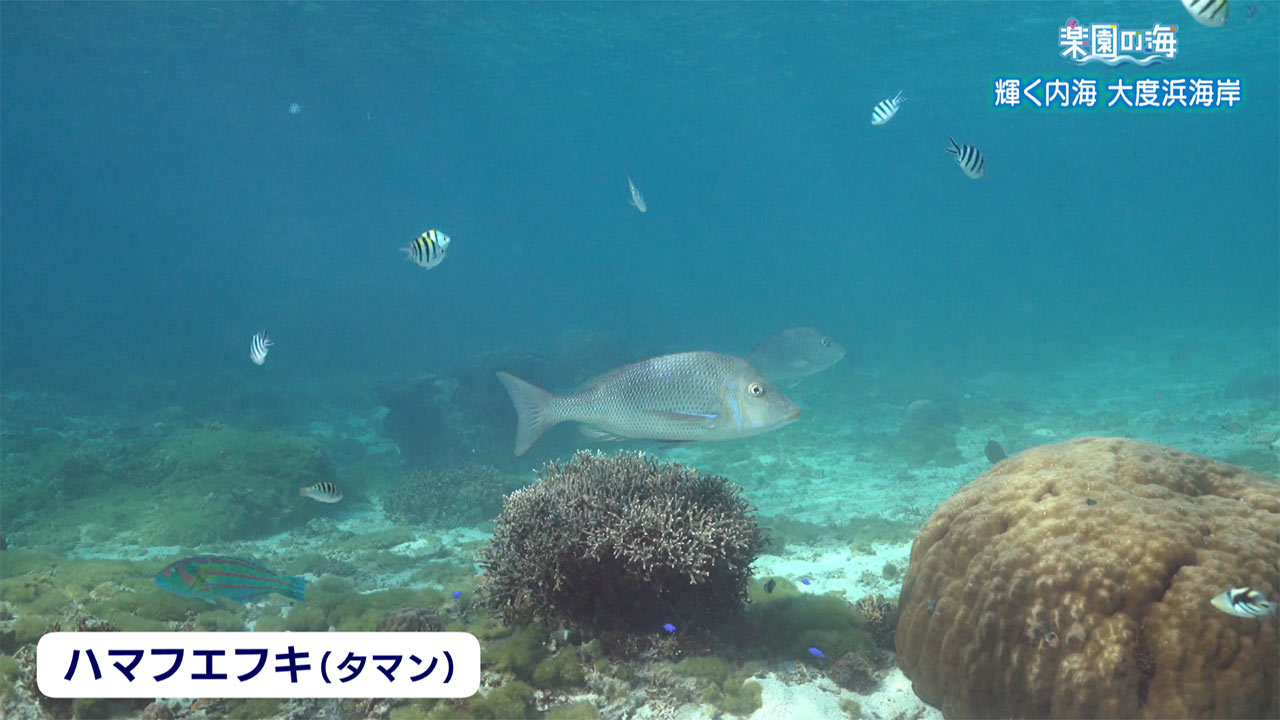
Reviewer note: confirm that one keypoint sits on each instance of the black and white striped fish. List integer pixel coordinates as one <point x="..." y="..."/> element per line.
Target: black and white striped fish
<point x="886" y="109"/>
<point x="1244" y="602"/>
<point x="258" y="347"/>
<point x="325" y="492"/>
<point x="428" y="249"/>
<point x="968" y="158"/>
<point x="1210" y="13"/>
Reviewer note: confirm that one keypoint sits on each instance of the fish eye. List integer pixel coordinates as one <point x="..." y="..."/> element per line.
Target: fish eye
<point x="826" y="342"/>
<point x="755" y="389"/>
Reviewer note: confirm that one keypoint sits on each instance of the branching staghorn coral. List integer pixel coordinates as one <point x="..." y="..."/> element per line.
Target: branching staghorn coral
<point x="621" y="542"/>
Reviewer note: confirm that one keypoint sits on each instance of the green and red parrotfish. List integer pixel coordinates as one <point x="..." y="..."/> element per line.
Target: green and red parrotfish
<point x="210" y="577"/>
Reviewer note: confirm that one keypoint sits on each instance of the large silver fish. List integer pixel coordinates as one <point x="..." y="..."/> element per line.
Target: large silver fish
<point x="795" y="354"/>
<point x="686" y="397"/>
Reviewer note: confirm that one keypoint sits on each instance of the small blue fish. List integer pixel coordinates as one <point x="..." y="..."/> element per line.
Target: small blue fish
<point x="816" y="652"/>
<point x="806" y="581"/>
<point x="669" y="628"/>
<point x="457" y="594"/>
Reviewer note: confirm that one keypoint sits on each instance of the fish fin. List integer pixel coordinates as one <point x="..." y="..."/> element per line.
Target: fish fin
<point x="692" y="418"/>
<point x="297" y="588"/>
<point x="531" y="404"/>
<point x="596" y="433"/>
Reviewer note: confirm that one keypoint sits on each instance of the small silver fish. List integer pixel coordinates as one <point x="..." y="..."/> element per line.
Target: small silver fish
<point x="795" y="354"/>
<point x="686" y="397"/>
<point x="884" y="110"/>
<point x="325" y="492"/>
<point x="428" y="249"/>
<point x="637" y="200"/>
<point x="258" y="347"/>
<point x="969" y="158"/>
<point x="1245" y="602"/>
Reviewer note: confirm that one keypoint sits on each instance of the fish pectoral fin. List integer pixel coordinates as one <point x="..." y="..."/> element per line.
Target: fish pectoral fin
<point x="687" y="416"/>
<point x="596" y="433"/>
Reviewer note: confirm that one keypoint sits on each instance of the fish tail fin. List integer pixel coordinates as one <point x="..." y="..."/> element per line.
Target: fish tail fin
<point x="955" y="147"/>
<point x="297" y="588"/>
<point x="531" y="403"/>
<point x="1274" y="607"/>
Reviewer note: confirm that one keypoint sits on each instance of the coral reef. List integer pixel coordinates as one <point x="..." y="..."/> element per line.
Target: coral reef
<point x="433" y="428"/>
<point x="416" y="420"/>
<point x="787" y="622"/>
<point x="853" y="671"/>
<point x="194" y="486"/>
<point x="441" y="422"/>
<point x="882" y="619"/>
<point x="459" y="495"/>
<point x="1074" y="580"/>
<point x="723" y="687"/>
<point x="928" y="434"/>
<point x="410" y="619"/>
<point x="621" y="542"/>
<point x="479" y="391"/>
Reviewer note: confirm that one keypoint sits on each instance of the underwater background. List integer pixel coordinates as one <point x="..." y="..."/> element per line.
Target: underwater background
<point x="177" y="177"/>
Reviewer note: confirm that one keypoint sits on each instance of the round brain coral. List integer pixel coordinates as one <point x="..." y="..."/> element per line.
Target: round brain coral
<point x="1074" y="580"/>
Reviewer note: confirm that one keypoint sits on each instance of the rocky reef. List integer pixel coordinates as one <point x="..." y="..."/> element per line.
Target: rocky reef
<point x="1074" y="580"/>
<point x="458" y="495"/>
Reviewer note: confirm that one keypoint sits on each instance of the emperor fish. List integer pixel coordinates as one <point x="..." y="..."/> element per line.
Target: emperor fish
<point x="969" y="158"/>
<point x="686" y="397"/>
<point x="637" y="199"/>
<point x="795" y="354"/>
<point x="884" y="110"/>
<point x="1210" y="13"/>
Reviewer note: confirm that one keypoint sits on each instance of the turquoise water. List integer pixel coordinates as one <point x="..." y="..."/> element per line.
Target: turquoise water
<point x="1116" y="271"/>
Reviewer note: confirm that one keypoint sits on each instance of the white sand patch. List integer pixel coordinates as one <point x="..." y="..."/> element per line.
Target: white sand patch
<point x="820" y="698"/>
<point x="833" y="569"/>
